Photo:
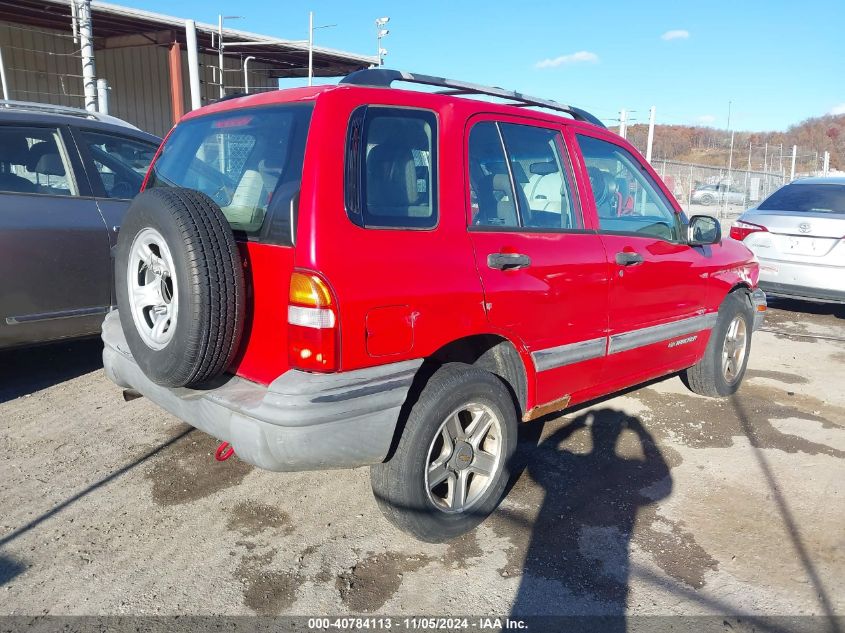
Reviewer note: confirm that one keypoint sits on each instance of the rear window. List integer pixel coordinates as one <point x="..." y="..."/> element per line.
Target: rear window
<point x="391" y="175"/>
<point x="806" y="198"/>
<point x="249" y="161"/>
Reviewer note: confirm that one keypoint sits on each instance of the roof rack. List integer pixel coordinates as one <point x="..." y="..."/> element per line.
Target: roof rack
<point x="383" y="78"/>
<point x="48" y="108"/>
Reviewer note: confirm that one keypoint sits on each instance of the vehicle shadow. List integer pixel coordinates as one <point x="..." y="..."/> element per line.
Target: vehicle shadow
<point x="836" y="310"/>
<point x="9" y="569"/>
<point x="577" y="559"/>
<point x="25" y="370"/>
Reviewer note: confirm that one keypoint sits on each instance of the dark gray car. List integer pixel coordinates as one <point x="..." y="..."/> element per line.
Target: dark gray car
<point x="66" y="179"/>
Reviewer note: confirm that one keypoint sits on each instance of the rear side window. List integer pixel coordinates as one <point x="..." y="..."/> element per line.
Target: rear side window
<point x="249" y="161"/>
<point x="33" y="160"/>
<point x="391" y="175"/>
<point x="806" y="198"/>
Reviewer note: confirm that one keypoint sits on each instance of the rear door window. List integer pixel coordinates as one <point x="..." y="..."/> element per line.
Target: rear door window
<point x="249" y="161"/>
<point x="34" y="160"/>
<point x="391" y="175"/>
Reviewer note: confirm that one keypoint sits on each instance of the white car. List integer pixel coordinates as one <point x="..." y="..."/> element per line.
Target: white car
<point x="798" y="234"/>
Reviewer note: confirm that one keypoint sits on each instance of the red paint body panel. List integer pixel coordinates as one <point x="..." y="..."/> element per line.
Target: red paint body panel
<point x="405" y="294"/>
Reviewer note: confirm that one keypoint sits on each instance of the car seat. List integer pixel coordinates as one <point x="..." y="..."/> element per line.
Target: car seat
<point x="14" y="151"/>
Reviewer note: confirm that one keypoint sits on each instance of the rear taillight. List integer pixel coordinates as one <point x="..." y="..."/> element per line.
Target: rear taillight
<point x="740" y="230"/>
<point x="312" y="323"/>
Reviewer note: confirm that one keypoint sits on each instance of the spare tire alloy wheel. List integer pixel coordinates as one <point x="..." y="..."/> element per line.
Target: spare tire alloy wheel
<point x="153" y="290"/>
<point x="463" y="458"/>
<point x="179" y="283"/>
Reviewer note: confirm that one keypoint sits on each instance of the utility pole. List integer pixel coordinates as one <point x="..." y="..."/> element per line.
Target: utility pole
<point x="730" y="166"/>
<point x="220" y="53"/>
<point x="86" y="45"/>
<point x="310" y="48"/>
<point x="826" y="167"/>
<point x="794" y="154"/>
<point x="650" y="134"/>
<point x="623" y="123"/>
<point x="765" y="157"/>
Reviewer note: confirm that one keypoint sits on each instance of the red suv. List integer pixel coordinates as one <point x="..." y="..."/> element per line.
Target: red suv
<point x="361" y="275"/>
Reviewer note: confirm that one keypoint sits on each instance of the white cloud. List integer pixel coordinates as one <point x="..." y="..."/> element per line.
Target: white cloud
<point x="706" y="119"/>
<point x="581" y="57"/>
<point x="677" y="34"/>
<point x="838" y="109"/>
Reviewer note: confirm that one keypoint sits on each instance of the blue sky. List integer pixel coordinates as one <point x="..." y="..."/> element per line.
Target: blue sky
<point x="777" y="61"/>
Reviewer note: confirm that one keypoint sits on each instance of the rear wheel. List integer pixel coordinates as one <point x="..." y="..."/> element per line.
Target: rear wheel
<point x="707" y="200"/>
<point x="721" y="369"/>
<point x="451" y="464"/>
<point x="180" y="286"/>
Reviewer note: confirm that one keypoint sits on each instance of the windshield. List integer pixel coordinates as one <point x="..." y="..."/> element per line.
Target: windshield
<point x="249" y="161"/>
<point x="807" y="198"/>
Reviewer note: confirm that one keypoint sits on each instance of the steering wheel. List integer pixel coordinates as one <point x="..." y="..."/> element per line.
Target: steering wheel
<point x="598" y="182"/>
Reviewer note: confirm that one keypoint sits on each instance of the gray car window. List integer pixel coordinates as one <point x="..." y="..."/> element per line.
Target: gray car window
<point x="121" y="162"/>
<point x="805" y="198"/>
<point x="34" y="160"/>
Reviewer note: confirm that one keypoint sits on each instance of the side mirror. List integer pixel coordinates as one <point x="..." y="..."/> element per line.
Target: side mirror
<point x="703" y="230"/>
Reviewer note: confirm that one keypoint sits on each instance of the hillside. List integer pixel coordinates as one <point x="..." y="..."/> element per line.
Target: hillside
<point x="709" y="146"/>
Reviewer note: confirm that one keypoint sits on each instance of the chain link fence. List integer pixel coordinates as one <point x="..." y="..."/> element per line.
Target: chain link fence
<point x="709" y="190"/>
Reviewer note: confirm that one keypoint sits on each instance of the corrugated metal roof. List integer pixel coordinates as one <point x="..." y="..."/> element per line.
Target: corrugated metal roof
<point x="110" y="20"/>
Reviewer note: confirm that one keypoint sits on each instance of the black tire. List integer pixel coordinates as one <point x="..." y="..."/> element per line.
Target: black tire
<point x="707" y="200"/>
<point x="209" y="281"/>
<point x="707" y="377"/>
<point x="399" y="484"/>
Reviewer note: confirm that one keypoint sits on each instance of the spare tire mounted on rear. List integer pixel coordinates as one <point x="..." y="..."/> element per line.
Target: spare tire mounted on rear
<point x="180" y="286"/>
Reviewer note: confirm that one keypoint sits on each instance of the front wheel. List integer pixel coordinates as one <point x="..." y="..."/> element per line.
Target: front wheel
<point x="451" y="464"/>
<point x="721" y="369"/>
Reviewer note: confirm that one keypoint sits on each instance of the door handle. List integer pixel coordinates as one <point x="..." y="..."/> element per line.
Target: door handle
<point x="508" y="261"/>
<point x="629" y="259"/>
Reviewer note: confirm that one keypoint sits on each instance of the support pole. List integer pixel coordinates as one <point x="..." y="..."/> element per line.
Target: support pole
<point x="650" y="134"/>
<point x="86" y="43"/>
<point x="826" y="167"/>
<point x="310" y="48"/>
<point x="103" y="96"/>
<point x="3" y="77"/>
<point x="623" y="123"/>
<point x="246" y="73"/>
<point x="177" y="95"/>
<point x="794" y="155"/>
<point x="193" y="63"/>
<point x="220" y="54"/>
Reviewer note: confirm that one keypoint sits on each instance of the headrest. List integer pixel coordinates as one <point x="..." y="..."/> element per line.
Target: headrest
<point x="15" y="147"/>
<point x="42" y="148"/>
<point x="544" y="168"/>
<point x="501" y="182"/>
<point x="391" y="176"/>
<point x="50" y="165"/>
<point x="389" y="129"/>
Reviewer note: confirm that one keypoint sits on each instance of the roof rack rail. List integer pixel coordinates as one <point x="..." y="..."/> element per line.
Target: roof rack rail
<point x="49" y="108"/>
<point x="383" y="78"/>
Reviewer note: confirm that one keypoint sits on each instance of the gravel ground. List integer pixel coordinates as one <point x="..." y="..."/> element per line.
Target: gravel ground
<point x="656" y="501"/>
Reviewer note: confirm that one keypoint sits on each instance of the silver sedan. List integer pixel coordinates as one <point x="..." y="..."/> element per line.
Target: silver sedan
<point x="798" y="234"/>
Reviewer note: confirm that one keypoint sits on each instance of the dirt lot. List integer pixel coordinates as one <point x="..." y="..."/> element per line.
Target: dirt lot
<point x="704" y="506"/>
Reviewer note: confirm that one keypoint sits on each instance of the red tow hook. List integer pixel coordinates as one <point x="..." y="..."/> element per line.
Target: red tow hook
<point x="223" y="452"/>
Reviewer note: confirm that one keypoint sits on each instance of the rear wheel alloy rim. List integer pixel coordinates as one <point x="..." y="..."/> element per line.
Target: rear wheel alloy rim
<point x="152" y="289"/>
<point x="733" y="349"/>
<point x="464" y="458"/>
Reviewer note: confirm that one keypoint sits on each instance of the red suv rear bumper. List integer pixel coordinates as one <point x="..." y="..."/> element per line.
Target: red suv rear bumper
<point x="301" y="421"/>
